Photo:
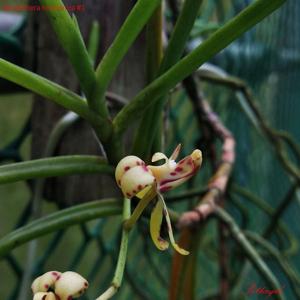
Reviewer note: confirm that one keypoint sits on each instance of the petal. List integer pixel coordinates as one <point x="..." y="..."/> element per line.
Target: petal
<point x="197" y="157"/>
<point x="176" y="152"/>
<point x="135" y="180"/>
<point x="44" y="282"/>
<point x="126" y="164"/>
<point x="183" y="171"/>
<point x="70" y="285"/>
<point x="155" y="225"/>
<point x="170" y="231"/>
<point x="44" y="296"/>
<point x="158" y="156"/>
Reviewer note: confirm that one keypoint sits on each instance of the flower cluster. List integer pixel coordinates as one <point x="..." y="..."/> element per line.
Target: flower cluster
<point x="58" y="286"/>
<point x="147" y="182"/>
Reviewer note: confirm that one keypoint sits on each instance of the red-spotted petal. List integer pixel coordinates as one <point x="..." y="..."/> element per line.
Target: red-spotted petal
<point x="172" y="174"/>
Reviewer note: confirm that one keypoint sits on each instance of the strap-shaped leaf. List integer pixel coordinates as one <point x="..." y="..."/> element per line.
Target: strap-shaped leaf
<point x="155" y="225"/>
<point x="170" y="231"/>
<point x="54" y="166"/>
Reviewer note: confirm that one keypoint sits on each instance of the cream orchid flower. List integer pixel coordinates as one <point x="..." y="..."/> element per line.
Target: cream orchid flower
<point x="147" y="182"/>
<point x="58" y="286"/>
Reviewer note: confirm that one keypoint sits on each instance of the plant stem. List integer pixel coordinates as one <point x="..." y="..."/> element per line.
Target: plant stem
<point x="54" y="166"/>
<point x="245" y="20"/>
<point x="291" y="274"/>
<point x="269" y="210"/>
<point x="217" y="185"/>
<point x="281" y="209"/>
<point x="117" y="279"/>
<point x="247" y="100"/>
<point x="249" y="251"/>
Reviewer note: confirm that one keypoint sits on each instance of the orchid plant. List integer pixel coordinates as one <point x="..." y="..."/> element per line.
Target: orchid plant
<point x="134" y="177"/>
<point x="148" y="182"/>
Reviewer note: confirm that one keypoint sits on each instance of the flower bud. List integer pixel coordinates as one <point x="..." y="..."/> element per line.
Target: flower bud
<point x="132" y="175"/>
<point x="44" y="282"/>
<point x="44" y="296"/>
<point x="70" y="285"/>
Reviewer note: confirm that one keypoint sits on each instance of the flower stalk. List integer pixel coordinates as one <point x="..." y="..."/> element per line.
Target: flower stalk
<point x="119" y="272"/>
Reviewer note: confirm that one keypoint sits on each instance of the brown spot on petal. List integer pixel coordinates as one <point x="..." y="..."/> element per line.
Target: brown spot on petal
<point x="86" y="284"/>
<point x="140" y="187"/>
<point x="173" y="173"/>
<point x="178" y="169"/>
<point x="54" y="274"/>
<point x="46" y="286"/>
<point x="128" y="195"/>
<point x="126" y="168"/>
<point x="138" y="163"/>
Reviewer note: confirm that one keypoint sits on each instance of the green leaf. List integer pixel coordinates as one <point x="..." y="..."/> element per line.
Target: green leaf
<point x="69" y="36"/>
<point x="245" y="20"/>
<point x="55" y="93"/>
<point x="94" y="41"/>
<point x="58" y="220"/>
<point x="152" y="118"/>
<point x="54" y="166"/>
<point x="127" y="34"/>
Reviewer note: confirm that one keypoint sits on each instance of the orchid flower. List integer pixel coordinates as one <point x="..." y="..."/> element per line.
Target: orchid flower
<point x="148" y="182"/>
<point x="58" y="286"/>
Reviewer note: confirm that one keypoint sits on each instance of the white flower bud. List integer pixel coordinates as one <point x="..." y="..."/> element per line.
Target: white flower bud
<point x="44" y="282"/>
<point x="132" y="175"/>
<point x="44" y="296"/>
<point x="70" y="285"/>
<point x="126" y="164"/>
